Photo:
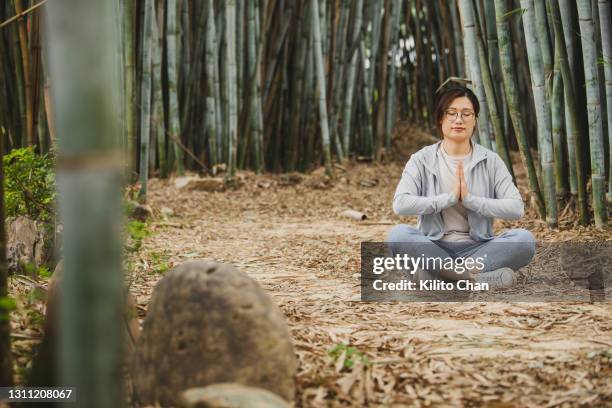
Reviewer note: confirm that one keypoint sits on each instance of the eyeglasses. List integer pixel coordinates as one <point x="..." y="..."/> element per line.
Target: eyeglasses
<point x="467" y="117"/>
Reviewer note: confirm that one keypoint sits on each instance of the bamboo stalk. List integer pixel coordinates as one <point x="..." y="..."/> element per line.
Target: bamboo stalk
<point x="301" y="33"/>
<point x="27" y="76"/>
<point x="557" y="119"/>
<point x="42" y="124"/>
<point x="48" y="104"/>
<point x="231" y="90"/>
<point x="6" y="359"/>
<point x="318" y="53"/>
<point x="493" y="54"/>
<point x="542" y="112"/>
<point x="366" y="118"/>
<point x="382" y="87"/>
<point x="221" y="22"/>
<point x="257" y="113"/>
<point x="606" y="46"/>
<point x="280" y="41"/>
<point x="212" y="75"/>
<point x="332" y="70"/>
<point x="308" y="95"/>
<point x="426" y="66"/>
<point x="157" y="109"/>
<point x="338" y="78"/>
<point x="5" y="92"/>
<point x="574" y="139"/>
<point x="471" y="49"/>
<point x="544" y="42"/>
<point x="323" y="23"/>
<point x="89" y="198"/>
<point x="185" y="47"/>
<point x="245" y="111"/>
<point x="145" y="97"/>
<point x="240" y="22"/>
<point x="21" y="118"/>
<point x="396" y="11"/>
<point x="172" y="66"/>
<point x="375" y="7"/>
<point x="589" y="55"/>
<point x="352" y="73"/>
<point x="37" y="81"/>
<point x="567" y="36"/>
<point x="458" y="43"/>
<point x="492" y="101"/>
<point x="7" y="87"/>
<point x="119" y="60"/>
<point x="129" y="25"/>
<point x="189" y="102"/>
<point x="510" y="83"/>
<point x="22" y="14"/>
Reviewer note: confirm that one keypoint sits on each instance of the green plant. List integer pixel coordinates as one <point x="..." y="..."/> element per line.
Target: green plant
<point x="352" y="354"/>
<point x="36" y="295"/>
<point x="129" y="206"/>
<point x="44" y="272"/>
<point x="137" y="231"/>
<point x="159" y="263"/>
<point x="36" y="318"/>
<point x="30" y="269"/>
<point x="7" y="304"/>
<point x="29" y="184"/>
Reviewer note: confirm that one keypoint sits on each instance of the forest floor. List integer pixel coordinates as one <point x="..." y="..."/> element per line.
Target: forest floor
<point x="292" y="240"/>
<point x="289" y="236"/>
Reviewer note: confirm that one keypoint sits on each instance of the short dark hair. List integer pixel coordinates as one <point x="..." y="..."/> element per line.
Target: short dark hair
<point x="446" y="95"/>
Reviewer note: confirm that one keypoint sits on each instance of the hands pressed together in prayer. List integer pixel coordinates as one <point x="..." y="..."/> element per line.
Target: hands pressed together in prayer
<point x="460" y="187"/>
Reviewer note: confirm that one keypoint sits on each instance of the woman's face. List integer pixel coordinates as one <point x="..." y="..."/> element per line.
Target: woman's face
<point x="459" y="120"/>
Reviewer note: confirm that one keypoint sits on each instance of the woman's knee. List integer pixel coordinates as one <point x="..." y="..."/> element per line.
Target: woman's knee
<point x="524" y="242"/>
<point x="402" y="233"/>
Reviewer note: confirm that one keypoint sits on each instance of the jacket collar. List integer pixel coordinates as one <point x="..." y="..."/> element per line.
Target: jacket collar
<point x="430" y="158"/>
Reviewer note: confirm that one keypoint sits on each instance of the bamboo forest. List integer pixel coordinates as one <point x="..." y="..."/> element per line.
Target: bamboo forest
<point x="213" y="203"/>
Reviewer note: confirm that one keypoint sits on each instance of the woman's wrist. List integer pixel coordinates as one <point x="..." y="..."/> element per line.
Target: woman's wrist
<point x="473" y="202"/>
<point x="454" y="199"/>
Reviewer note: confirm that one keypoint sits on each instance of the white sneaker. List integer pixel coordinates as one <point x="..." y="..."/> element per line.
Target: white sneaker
<point x="499" y="278"/>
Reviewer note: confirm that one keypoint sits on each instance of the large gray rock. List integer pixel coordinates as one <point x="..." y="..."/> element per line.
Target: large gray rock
<point x="209" y="323"/>
<point x="230" y="395"/>
<point x="27" y="245"/>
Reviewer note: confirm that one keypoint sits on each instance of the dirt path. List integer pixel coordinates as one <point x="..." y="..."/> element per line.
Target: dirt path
<point x="292" y="240"/>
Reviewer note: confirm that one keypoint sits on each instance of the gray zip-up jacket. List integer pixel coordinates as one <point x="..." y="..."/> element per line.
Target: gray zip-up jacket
<point x="491" y="193"/>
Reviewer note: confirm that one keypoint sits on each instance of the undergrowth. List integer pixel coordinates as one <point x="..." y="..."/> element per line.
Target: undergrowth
<point x="29" y="184"/>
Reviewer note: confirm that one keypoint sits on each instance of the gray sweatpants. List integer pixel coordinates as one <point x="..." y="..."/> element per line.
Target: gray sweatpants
<point x="514" y="248"/>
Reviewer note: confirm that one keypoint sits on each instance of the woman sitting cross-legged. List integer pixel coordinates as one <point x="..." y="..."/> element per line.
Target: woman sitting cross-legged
<point x="456" y="187"/>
